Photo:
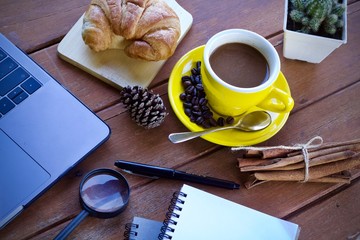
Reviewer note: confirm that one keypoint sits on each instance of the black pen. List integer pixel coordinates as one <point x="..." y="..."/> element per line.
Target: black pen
<point x="155" y="171"/>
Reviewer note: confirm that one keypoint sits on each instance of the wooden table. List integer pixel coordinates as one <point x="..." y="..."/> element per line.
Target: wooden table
<point x="327" y="104"/>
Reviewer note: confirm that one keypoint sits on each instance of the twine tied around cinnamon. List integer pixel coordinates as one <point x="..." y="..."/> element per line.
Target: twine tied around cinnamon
<point x="303" y="147"/>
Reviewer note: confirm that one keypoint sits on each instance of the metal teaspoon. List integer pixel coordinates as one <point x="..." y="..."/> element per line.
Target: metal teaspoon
<point x="254" y="121"/>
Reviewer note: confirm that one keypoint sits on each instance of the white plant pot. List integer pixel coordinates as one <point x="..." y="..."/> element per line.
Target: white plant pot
<point x="307" y="47"/>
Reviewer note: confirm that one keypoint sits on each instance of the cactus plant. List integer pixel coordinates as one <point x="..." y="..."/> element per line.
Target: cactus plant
<point x="313" y="29"/>
<point x="314" y="15"/>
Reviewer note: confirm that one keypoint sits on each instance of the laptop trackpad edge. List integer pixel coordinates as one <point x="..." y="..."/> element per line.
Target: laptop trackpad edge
<point x="20" y="175"/>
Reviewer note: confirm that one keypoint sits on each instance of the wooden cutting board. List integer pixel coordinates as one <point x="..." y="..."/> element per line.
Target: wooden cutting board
<point x="113" y="66"/>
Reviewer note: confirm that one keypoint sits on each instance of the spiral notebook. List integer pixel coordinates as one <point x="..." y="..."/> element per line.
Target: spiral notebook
<point x="142" y="229"/>
<point x="195" y="214"/>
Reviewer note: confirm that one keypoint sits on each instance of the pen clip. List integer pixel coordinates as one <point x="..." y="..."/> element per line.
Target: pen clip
<point x="142" y="175"/>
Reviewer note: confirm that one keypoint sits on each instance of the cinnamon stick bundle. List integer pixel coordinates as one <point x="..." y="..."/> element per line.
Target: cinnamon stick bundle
<point x="343" y="177"/>
<point x="281" y="152"/>
<point x="325" y="163"/>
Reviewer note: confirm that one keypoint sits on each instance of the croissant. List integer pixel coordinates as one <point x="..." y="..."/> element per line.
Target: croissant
<point x="150" y="28"/>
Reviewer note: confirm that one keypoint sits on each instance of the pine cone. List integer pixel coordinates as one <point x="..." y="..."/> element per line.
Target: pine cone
<point x="146" y="108"/>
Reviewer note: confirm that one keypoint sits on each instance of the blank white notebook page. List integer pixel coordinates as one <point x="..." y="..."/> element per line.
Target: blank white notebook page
<point x="206" y="216"/>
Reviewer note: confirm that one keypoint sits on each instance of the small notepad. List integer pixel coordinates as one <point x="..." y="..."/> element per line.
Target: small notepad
<point x="197" y="215"/>
<point x="142" y="229"/>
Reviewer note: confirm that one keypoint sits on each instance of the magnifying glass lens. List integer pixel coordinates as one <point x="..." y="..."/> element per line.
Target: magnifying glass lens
<point x="104" y="193"/>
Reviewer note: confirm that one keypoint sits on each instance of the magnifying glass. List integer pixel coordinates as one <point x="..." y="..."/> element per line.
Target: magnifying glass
<point x="104" y="193"/>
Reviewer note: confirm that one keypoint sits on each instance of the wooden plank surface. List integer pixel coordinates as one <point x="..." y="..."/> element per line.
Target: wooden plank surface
<point x="338" y="215"/>
<point x="327" y="104"/>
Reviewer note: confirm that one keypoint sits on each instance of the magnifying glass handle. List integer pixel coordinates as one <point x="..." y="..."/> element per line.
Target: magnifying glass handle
<point x="72" y="225"/>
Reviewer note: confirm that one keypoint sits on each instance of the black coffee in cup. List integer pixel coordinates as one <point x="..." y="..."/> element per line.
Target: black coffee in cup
<point x="239" y="65"/>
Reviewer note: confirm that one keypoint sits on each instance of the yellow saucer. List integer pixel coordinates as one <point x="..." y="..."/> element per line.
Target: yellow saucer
<point x="230" y="137"/>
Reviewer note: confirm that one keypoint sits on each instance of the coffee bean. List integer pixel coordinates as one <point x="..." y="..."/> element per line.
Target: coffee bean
<point x="205" y="108"/>
<point x="195" y="103"/>
<point x="190" y="89"/>
<point x="194" y="91"/>
<point x="197" y="79"/>
<point x="183" y="96"/>
<point x="203" y="101"/>
<point x="185" y="78"/>
<point x="196" y="108"/>
<point x="221" y="121"/>
<point x="195" y="71"/>
<point x="229" y="120"/>
<point x="187" y="105"/>
<point x="213" y="122"/>
<point x="198" y="65"/>
<point x="199" y="120"/>
<point x="188" y="112"/>
<point x="206" y="124"/>
<point x="199" y="87"/>
<point x="197" y="113"/>
<point x="186" y="84"/>
<point x="207" y="114"/>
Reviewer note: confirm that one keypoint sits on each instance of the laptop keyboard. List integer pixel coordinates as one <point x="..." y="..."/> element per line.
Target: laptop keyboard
<point x="16" y="84"/>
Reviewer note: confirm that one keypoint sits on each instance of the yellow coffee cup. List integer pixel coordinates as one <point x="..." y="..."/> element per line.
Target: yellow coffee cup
<point x="229" y="99"/>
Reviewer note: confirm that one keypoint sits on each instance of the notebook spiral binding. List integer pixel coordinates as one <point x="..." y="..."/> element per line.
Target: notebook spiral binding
<point x="129" y="234"/>
<point x="175" y="204"/>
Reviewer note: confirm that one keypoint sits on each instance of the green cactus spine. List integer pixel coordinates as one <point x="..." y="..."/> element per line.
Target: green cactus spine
<point x="314" y="15"/>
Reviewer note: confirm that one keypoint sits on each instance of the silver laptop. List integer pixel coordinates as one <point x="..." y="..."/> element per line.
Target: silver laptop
<point x="44" y="131"/>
